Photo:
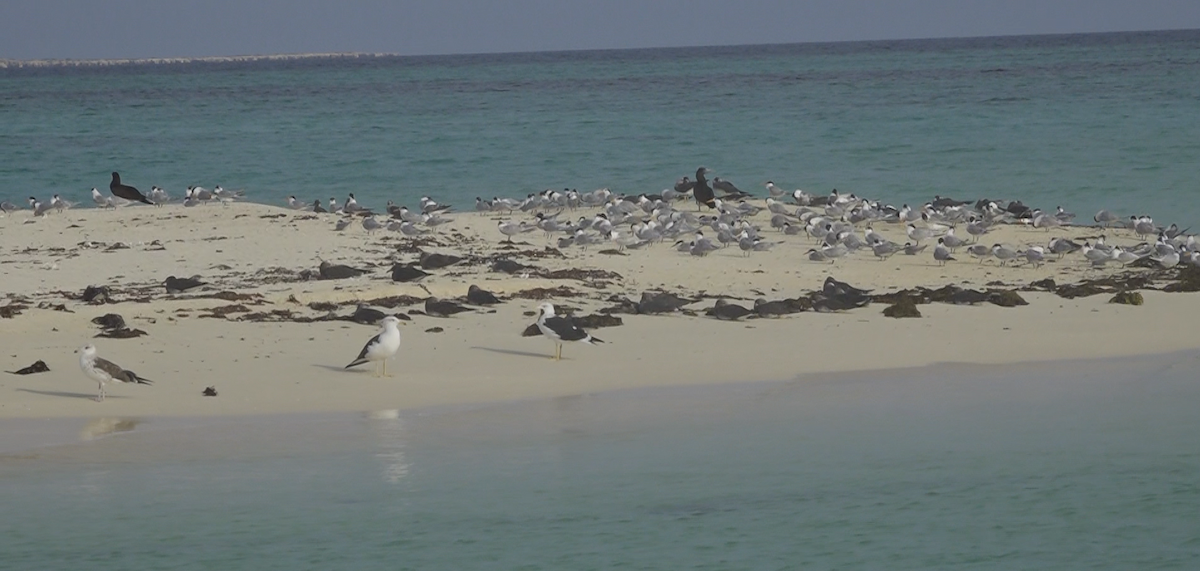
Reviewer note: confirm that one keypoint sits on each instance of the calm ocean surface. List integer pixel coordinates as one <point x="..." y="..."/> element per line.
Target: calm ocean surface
<point x="1091" y="465"/>
<point x="1086" y="121"/>
<point x="1068" y="466"/>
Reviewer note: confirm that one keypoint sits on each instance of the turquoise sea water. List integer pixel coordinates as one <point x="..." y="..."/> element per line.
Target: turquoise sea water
<point x="1091" y="465"/>
<point x="1086" y="121"/>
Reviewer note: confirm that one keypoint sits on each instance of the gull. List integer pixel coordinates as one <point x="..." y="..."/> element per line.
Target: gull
<point x="480" y="296"/>
<point x="508" y="228"/>
<point x="725" y="311"/>
<point x="381" y="347"/>
<point x="560" y="329"/>
<point x="435" y="307"/>
<point x="177" y="285"/>
<point x="941" y="253"/>
<point x="104" y="371"/>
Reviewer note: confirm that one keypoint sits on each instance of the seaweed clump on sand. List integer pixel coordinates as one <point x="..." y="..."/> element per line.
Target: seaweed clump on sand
<point x="905" y="306"/>
<point x="1128" y="298"/>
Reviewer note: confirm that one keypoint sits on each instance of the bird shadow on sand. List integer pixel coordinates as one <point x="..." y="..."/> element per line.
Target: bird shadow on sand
<point x="337" y="369"/>
<point x="63" y="394"/>
<point x="517" y="353"/>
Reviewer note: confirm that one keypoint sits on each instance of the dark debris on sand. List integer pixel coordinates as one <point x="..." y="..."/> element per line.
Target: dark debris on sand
<point x="122" y="333"/>
<point x="38" y="366"/>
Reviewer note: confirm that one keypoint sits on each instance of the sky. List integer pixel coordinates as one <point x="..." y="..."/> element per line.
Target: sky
<point x="105" y="29"/>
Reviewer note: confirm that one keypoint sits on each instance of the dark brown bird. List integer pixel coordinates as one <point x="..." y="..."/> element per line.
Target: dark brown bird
<point x="437" y="308"/>
<point x="125" y="191"/>
<point x="407" y="273"/>
<point x="480" y="296"/>
<point x="702" y="192"/>
<point x="176" y="285"/>
<point x="337" y="271"/>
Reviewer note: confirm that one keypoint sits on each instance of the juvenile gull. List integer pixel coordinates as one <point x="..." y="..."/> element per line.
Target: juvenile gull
<point x="104" y="371"/>
<point x="125" y="191"/>
<point x="330" y="271"/>
<point x="381" y="347"/>
<point x="407" y="273"/>
<point x="725" y="311"/>
<point x="177" y="285"/>
<point x="560" y="329"/>
<point x="480" y="296"/>
<point x="435" y="307"/>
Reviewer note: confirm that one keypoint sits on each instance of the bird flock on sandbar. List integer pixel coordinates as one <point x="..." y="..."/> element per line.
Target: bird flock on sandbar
<point x="833" y="226"/>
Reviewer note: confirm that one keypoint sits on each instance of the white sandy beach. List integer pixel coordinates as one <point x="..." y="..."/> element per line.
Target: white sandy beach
<point x="276" y="367"/>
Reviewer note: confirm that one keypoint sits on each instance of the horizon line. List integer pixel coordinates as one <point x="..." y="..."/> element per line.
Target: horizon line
<point x="163" y="60"/>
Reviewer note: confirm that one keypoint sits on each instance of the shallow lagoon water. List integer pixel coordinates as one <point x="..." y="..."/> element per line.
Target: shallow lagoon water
<point x="1046" y="466"/>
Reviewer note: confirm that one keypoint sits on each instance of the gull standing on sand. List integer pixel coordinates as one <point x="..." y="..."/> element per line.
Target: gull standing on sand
<point x="381" y="347"/>
<point x="104" y="371"/>
<point x="559" y="329"/>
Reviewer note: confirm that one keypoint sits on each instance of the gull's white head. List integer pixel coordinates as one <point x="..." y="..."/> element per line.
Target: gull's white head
<point x="390" y="322"/>
<point x="546" y="309"/>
